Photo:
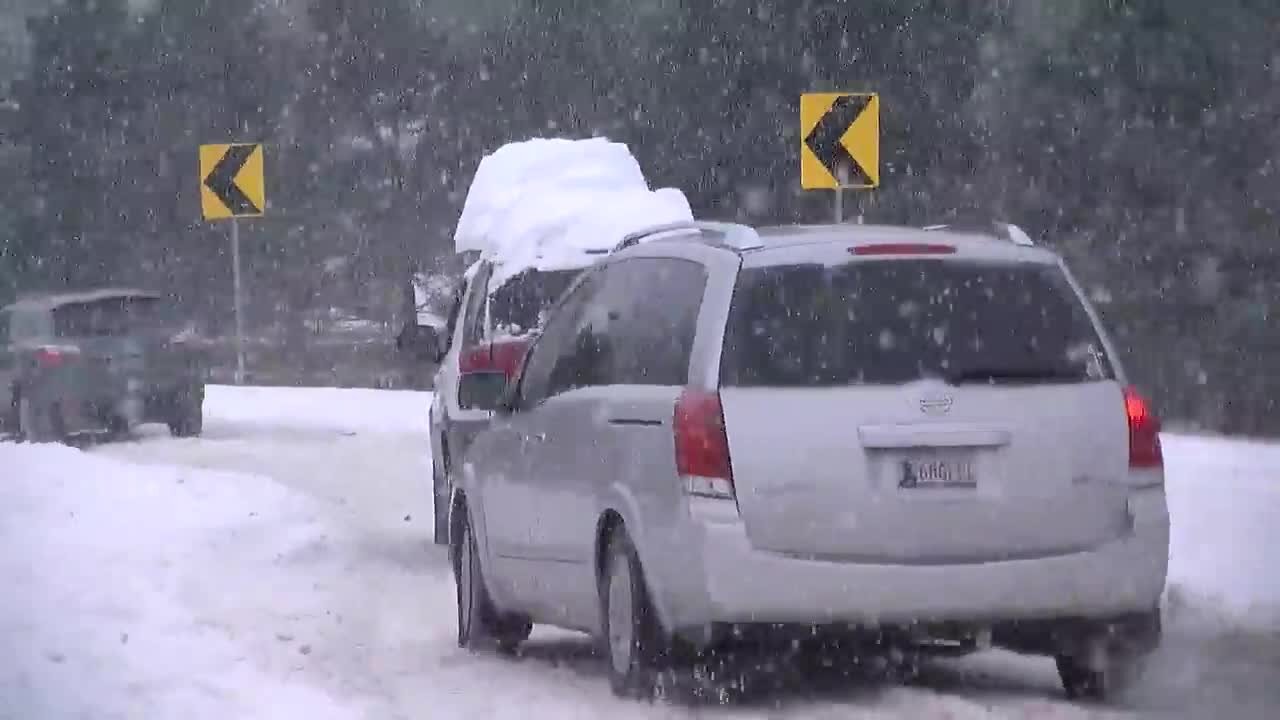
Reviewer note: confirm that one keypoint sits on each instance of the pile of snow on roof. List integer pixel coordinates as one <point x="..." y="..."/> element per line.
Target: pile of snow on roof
<point x="556" y="204"/>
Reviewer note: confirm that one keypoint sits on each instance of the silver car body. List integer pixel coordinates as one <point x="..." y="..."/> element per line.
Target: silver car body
<point x="452" y="426"/>
<point x="1056" y="525"/>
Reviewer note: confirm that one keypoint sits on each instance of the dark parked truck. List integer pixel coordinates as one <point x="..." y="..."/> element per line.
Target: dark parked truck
<point x="101" y="361"/>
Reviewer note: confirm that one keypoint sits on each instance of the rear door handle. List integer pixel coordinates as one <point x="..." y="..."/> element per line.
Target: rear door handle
<point x="535" y="437"/>
<point x="635" y="422"/>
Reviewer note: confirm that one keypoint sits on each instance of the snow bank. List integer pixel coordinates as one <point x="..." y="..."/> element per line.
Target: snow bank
<point x="1224" y="503"/>
<point x="336" y="409"/>
<point x="108" y="571"/>
<point x="554" y="204"/>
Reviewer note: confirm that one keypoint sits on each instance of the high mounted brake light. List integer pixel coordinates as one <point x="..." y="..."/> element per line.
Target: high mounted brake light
<point x="903" y="249"/>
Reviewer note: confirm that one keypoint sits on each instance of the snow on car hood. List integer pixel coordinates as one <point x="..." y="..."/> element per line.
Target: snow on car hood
<point x="558" y="204"/>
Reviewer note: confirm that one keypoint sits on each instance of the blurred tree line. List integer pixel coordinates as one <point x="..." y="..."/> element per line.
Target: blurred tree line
<point x="1137" y="136"/>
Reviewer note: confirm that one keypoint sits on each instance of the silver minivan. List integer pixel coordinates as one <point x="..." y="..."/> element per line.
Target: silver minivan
<point x="921" y="433"/>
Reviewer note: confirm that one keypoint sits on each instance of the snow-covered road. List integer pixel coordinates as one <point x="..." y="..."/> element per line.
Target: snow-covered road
<point x="280" y="566"/>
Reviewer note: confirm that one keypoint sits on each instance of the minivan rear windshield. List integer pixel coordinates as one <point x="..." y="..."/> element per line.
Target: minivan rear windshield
<point x="897" y="321"/>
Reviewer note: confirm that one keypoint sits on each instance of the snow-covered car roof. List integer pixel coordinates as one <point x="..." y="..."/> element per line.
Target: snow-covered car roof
<point x="558" y="204"/>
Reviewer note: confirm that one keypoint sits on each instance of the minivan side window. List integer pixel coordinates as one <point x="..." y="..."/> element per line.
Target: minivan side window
<point x="546" y="369"/>
<point x="637" y="329"/>
<point x="653" y="306"/>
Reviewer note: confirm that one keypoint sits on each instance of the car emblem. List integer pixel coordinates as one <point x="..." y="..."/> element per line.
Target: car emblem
<point x="939" y="404"/>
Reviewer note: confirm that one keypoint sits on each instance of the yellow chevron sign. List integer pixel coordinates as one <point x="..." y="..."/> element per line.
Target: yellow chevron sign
<point x="839" y="134"/>
<point x="231" y="181"/>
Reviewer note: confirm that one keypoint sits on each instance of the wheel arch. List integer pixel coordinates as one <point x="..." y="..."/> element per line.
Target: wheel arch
<point x="612" y="519"/>
<point x="608" y="523"/>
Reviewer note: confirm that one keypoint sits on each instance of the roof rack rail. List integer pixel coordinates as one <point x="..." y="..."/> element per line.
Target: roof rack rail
<point x="731" y="235"/>
<point x="1003" y="230"/>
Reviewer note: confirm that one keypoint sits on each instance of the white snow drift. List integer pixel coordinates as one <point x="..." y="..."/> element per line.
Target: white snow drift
<point x="118" y="580"/>
<point x="160" y="590"/>
<point x="1224" y="506"/>
<point x="339" y="410"/>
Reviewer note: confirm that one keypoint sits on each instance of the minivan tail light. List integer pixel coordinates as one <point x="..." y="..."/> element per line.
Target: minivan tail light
<point x="1145" y="450"/>
<point x="702" y="447"/>
<point x="903" y="249"/>
<point x="48" y="358"/>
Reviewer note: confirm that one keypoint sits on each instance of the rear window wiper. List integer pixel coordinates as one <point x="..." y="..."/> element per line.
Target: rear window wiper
<point x="1015" y="374"/>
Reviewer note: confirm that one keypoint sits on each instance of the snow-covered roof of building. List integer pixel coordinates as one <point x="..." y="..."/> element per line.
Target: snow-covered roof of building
<point x="557" y="204"/>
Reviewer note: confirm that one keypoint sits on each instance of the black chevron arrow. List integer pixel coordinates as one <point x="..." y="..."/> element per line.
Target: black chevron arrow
<point x="222" y="180"/>
<point x="824" y="140"/>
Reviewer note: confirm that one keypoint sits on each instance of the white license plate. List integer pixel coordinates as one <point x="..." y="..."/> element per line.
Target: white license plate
<point x="938" y="473"/>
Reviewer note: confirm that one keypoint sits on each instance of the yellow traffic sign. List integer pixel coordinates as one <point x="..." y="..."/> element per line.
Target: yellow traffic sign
<point x="231" y="181"/>
<point x="839" y="136"/>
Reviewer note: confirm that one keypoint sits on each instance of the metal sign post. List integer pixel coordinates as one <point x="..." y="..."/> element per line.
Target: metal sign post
<point x="842" y="178"/>
<point x="238" y="300"/>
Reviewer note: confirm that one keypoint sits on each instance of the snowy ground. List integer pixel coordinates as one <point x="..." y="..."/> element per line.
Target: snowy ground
<point x="280" y="567"/>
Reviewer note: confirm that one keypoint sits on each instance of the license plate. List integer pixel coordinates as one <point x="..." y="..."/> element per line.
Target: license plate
<point x="938" y="473"/>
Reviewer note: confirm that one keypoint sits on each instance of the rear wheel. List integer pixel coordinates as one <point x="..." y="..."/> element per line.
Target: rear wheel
<point x="1084" y="680"/>
<point x="440" y="494"/>
<point x="186" y="418"/>
<point x="479" y="624"/>
<point x="9" y="416"/>
<point x="40" y="422"/>
<point x="630" y="634"/>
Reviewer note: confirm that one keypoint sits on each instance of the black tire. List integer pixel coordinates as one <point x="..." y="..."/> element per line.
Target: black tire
<point x="439" y="483"/>
<point x="9" y="417"/>
<point x="631" y="638"/>
<point x="1082" y="682"/>
<point x="41" y="423"/>
<point x="480" y="626"/>
<point x="117" y="427"/>
<point x="187" y="413"/>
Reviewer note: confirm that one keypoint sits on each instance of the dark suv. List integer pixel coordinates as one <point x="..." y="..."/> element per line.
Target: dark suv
<point x="94" y="362"/>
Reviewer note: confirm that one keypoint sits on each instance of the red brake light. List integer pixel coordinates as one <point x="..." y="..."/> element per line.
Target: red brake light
<point x="49" y="358"/>
<point x="1144" y="432"/>
<point x="702" y="448"/>
<point x="903" y="249"/>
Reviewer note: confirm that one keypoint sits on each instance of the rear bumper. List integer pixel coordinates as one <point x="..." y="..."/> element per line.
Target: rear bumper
<point x="713" y="575"/>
